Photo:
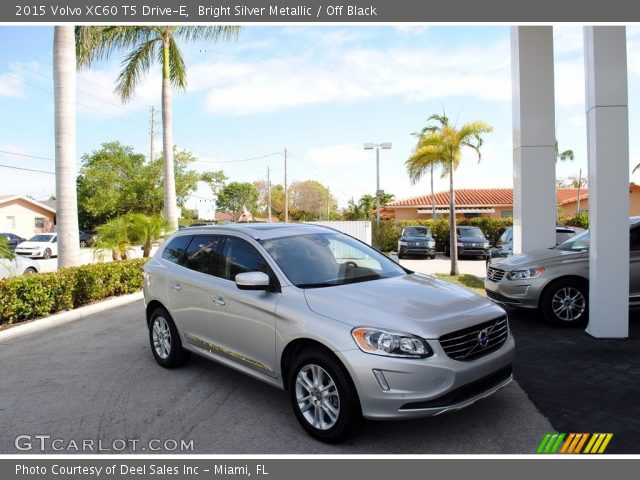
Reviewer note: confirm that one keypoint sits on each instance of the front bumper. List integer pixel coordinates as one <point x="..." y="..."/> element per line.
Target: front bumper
<point x="426" y="387"/>
<point x="518" y="293"/>
<point x="416" y="250"/>
<point x="468" y="250"/>
<point x="30" y="253"/>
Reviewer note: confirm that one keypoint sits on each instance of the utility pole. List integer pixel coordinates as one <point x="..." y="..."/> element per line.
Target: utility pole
<point x="286" y="191"/>
<point x="269" y="192"/>
<point x="328" y="204"/>
<point x="152" y="130"/>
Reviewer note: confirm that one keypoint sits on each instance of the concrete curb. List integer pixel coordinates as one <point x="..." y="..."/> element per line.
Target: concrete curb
<point x="68" y="316"/>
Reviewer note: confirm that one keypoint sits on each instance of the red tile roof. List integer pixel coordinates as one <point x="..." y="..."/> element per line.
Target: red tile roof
<point x="487" y="197"/>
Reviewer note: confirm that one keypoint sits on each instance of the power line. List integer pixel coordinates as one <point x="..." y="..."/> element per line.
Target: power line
<point x="25" y="155"/>
<point x="27" y="169"/>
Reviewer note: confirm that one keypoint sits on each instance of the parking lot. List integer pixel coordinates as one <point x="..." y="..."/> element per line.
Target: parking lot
<point x="96" y="379"/>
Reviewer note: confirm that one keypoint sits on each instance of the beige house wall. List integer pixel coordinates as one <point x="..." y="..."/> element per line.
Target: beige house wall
<point x="19" y="217"/>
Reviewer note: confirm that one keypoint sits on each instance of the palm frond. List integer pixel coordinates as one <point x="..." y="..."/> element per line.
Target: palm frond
<point x="135" y="65"/>
<point x="177" y="68"/>
<point x="99" y="42"/>
<point x="635" y="168"/>
<point x="218" y="33"/>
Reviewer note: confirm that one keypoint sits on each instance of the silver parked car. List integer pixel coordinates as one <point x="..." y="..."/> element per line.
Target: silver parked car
<point x="556" y="280"/>
<point x="347" y="332"/>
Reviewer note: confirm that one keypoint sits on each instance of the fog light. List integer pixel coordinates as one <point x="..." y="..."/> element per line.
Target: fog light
<point x="381" y="380"/>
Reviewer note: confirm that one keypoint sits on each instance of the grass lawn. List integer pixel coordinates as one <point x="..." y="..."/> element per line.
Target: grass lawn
<point x="473" y="283"/>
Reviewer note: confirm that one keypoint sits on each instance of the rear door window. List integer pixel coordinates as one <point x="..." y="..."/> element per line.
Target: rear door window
<point x="203" y="254"/>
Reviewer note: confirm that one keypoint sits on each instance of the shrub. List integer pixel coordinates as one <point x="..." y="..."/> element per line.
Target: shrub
<point x="386" y="237"/>
<point x="32" y="296"/>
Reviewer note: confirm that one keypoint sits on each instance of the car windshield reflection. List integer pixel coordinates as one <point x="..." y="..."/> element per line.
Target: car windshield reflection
<point x="328" y="259"/>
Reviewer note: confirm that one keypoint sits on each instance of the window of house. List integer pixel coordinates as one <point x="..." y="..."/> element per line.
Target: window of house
<point x="506" y="213"/>
<point x="11" y="222"/>
<point x="39" y="222"/>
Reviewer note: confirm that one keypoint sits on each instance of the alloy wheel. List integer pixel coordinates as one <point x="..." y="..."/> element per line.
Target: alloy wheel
<point x="568" y="304"/>
<point x="161" y="337"/>
<point x="317" y="397"/>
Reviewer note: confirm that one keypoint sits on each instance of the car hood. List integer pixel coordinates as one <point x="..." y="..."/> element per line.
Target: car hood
<point x="414" y="303"/>
<point x="467" y="239"/>
<point x="545" y="257"/>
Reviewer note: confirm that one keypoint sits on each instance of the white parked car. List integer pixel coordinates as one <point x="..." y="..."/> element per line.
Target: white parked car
<point x="17" y="266"/>
<point x="43" y="245"/>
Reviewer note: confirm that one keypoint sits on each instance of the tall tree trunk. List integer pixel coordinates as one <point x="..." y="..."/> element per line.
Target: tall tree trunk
<point x="64" y="88"/>
<point x="170" y="207"/>
<point x="453" y="248"/>
<point x="433" y="200"/>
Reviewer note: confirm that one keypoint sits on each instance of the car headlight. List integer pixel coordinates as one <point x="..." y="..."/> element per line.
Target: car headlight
<point x="533" y="272"/>
<point x="391" y="344"/>
<point x="403" y="243"/>
<point x="459" y="244"/>
<point x="431" y="244"/>
<point x="485" y="244"/>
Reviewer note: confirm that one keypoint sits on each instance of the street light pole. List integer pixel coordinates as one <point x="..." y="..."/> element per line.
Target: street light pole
<point x="378" y="146"/>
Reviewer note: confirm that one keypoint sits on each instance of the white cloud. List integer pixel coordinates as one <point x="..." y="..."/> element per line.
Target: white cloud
<point x="578" y="120"/>
<point x="411" y="29"/>
<point x="569" y="84"/>
<point x="11" y="85"/>
<point x="350" y="154"/>
<point x="567" y="39"/>
<point x="235" y="87"/>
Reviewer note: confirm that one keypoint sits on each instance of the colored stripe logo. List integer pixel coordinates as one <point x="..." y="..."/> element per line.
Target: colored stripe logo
<point x="572" y="443"/>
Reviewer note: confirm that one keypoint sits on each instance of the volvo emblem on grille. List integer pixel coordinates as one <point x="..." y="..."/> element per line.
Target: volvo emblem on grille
<point x="483" y="338"/>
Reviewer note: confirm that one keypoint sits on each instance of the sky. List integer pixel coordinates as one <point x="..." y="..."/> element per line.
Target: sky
<point x="319" y="91"/>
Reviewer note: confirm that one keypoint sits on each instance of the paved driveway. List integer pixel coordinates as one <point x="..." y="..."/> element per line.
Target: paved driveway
<point x="96" y="379"/>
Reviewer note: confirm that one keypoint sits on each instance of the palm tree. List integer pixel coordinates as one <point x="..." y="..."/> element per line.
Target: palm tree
<point x="367" y="203"/>
<point x="147" y="43"/>
<point x="440" y="145"/>
<point x="6" y="251"/>
<point x="562" y="156"/>
<point x="115" y="235"/>
<point x="64" y="88"/>
<point x="147" y="229"/>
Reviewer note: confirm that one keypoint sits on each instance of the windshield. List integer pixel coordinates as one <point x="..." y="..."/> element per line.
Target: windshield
<point x="328" y="259"/>
<point x="578" y="243"/>
<point x="470" y="232"/>
<point x="505" y="237"/>
<point x="41" y="238"/>
<point x="416" y="232"/>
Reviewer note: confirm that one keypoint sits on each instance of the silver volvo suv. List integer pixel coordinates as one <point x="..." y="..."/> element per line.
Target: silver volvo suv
<point x="348" y="333"/>
<point x="556" y="280"/>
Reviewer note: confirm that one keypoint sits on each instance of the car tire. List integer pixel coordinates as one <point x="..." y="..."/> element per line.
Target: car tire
<point x="432" y="257"/>
<point x="317" y="373"/>
<point x="566" y="303"/>
<point x="165" y="340"/>
<point x="29" y="271"/>
<point x="46" y="254"/>
<point x="400" y="255"/>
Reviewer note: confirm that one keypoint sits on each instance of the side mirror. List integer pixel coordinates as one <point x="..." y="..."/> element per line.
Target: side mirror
<point x="253" y="281"/>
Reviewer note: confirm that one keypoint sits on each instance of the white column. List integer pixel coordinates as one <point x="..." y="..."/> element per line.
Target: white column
<point x="608" y="147"/>
<point x="534" y="176"/>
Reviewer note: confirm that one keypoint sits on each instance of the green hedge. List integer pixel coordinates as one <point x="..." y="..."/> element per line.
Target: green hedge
<point x="32" y="296"/>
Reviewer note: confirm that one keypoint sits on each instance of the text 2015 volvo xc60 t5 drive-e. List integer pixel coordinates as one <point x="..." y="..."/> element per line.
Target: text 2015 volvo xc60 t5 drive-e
<point x="348" y="333"/>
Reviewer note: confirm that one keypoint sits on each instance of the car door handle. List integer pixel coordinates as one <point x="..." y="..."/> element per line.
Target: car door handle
<point x="176" y="286"/>
<point x="218" y="300"/>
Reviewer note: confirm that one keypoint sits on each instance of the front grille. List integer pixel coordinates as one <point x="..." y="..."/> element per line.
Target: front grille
<point x="495" y="274"/>
<point x="467" y="344"/>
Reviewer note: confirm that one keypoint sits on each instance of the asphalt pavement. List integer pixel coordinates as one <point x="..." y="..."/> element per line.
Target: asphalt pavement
<point x="95" y="380"/>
